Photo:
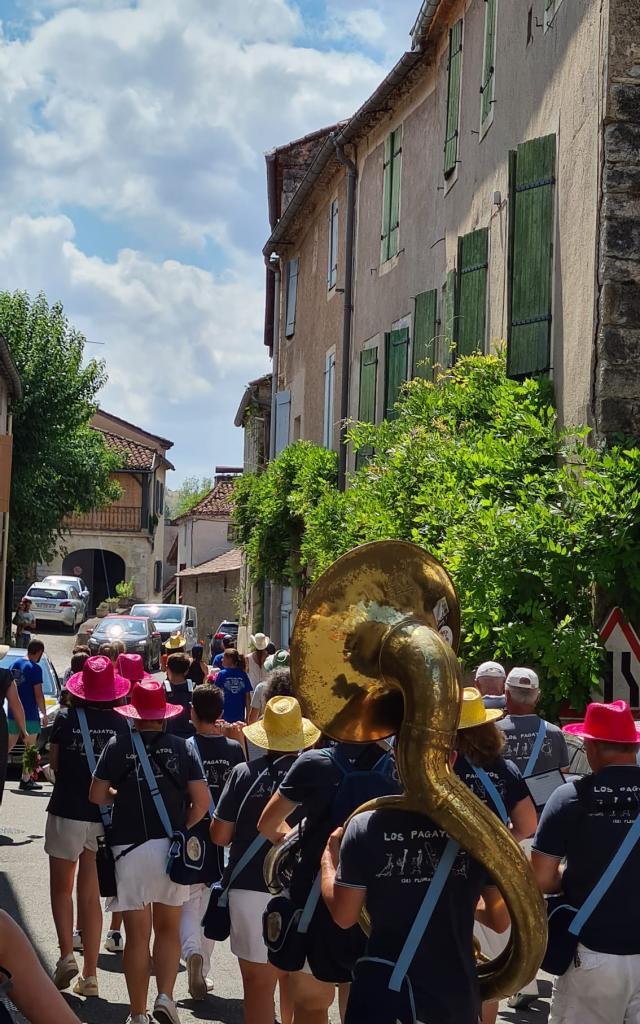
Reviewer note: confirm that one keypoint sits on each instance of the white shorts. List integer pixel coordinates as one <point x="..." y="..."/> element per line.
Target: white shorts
<point x="246" y="909"/>
<point x="66" y="839"/>
<point x="141" y="878"/>
<point x="491" y="943"/>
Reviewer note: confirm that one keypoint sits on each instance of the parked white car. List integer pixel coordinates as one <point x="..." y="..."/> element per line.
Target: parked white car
<point x="51" y="692"/>
<point x="71" y="581"/>
<point x="60" y="603"/>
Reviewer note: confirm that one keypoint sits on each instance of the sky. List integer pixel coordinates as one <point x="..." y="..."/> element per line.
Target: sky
<point x="133" y="188"/>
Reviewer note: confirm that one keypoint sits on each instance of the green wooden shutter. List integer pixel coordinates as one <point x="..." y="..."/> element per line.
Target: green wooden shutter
<point x="396" y="178"/>
<point x="396" y="368"/>
<point x="367" y="397"/>
<point x="488" y="76"/>
<point x="531" y="276"/>
<point x="473" y="250"/>
<point x="453" y="99"/>
<point x="425" y="330"/>
<point x="447" y="338"/>
<point x="292" y="296"/>
<point x="386" y="199"/>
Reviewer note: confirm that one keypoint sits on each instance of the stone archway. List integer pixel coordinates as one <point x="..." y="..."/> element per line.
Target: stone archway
<point x="100" y="569"/>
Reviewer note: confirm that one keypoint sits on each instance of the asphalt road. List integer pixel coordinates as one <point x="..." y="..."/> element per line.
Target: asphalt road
<point x="24" y="894"/>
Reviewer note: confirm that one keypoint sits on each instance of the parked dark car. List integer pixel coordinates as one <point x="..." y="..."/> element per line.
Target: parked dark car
<point x="137" y="632"/>
<point x="223" y="629"/>
<point x="51" y="691"/>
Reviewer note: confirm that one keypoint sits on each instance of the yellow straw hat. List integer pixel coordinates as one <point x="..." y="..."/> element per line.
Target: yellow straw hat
<point x="175" y="642"/>
<point x="283" y="728"/>
<point x="473" y="710"/>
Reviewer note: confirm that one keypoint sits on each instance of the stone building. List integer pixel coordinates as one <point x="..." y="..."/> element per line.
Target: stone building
<point x="125" y="540"/>
<point x="10" y="391"/>
<point x="206" y="530"/>
<point x="488" y="191"/>
<point x="213" y="590"/>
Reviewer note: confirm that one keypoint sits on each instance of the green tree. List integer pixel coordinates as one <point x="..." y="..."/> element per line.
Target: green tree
<point x="533" y="522"/>
<point x="192" y="490"/>
<point x="60" y="464"/>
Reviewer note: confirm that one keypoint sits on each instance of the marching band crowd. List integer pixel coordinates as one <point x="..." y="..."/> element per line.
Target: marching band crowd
<point x="170" y="799"/>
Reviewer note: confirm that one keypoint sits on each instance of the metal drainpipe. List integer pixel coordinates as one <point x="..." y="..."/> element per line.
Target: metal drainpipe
<point x="347" y="313"/>
<point x="275" y="365"/>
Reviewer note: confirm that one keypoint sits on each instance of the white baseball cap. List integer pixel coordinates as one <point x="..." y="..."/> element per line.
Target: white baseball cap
<point x="491" y="669"/>
<point x="523" y="679"/>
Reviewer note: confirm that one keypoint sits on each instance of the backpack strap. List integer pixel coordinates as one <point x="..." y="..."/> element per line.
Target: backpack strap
<point x="490" y="789"/>
<point x="535" y="750"/>
<point x="191" y="742"/>
<point x="608" y="876"/>
<point x="254" y="847"/>
<point x="424" y="915"/>
<point x="105" y="810"/>
<point x="156" y="796"/>
<point x="309" y="908"/>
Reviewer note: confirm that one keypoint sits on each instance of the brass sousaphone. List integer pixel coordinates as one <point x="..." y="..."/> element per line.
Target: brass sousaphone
<point x="373" y="655"/>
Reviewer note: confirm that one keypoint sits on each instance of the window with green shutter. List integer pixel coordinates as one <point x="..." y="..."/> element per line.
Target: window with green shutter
<point x="550" y="11"/>
<point x="396" y="368"/>
<point x="473" y="251"/>
<point x="390" y="236"/>
<point x="367" y="396"/>
<point x="425" y="330"/>
<point x="532" y="201"/>
<point x="453" y="99"/>
<point x="447" y="340"/>
<point x="292" y="296"/>
<point x="487" y="89"/>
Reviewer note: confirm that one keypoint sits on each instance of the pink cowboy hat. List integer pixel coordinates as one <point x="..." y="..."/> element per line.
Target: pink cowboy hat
<point x="149" y="703"/>
<point x="131" y="666"/>
<point x="98" y="682"/>
<point x="610" y="723"/>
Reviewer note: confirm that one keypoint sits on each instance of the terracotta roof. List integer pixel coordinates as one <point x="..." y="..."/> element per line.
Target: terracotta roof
<point x="229" y="562"/>
<point x="164" y="443"/>
<point x="134" y="456"/>
<point x="217" y="504"/>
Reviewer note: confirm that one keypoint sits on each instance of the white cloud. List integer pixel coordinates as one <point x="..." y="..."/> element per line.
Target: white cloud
<point x="364" y="24"/>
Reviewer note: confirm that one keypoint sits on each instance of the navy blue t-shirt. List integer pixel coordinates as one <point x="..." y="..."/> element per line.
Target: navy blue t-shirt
<point x="218" y="755"/>
<point x="247" y="792"/>
<point x="505" y="777"/>
<point x="588" y="830"/>
<point x="235" y="684"/>
<point x="180" y="694"/>
<point x="394" y="855"/>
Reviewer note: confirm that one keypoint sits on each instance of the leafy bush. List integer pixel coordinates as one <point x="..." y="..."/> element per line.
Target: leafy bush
<point x="270" y="510"/>
<point x="531" y="521"/>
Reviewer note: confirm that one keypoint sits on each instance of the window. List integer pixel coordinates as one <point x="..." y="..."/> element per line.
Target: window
<point x="425" y="329"/>
<point x="447" y="340"/>
<point x="283" y="410"/>
<point x="473" y="250"/>
<point x="391" y="195"/>
<point x="532" y="189"/>
<point x="157" y="575"/>
<point x="292" y="296"/>
<point x="332" y="274"/>
<point x="453" y="99"/>
<point x="159" y="498"/>
<point x="396" y="368"/>
<point x="329" y="390"/>
<point x="231" y="533"/>
<point x="367" y="396"/>
<point x="487" y="90"/>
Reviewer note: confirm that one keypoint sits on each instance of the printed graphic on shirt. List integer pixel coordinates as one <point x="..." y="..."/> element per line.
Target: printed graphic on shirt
<point x="418" y="865"/>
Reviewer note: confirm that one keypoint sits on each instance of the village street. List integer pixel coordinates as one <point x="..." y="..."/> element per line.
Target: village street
<point x="24" y="894"/>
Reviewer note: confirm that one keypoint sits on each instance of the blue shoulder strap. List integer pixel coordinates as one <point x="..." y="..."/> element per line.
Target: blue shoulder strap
<point x="491" y="790"/>
<point x="610" y="874"/>
<point x="248" y="855"/>
<point x="310" y="906"/>
<point x="333" y="756"/>
<point x="422" y="918"/>
<point x="191" y="742"/>
<point x="535" y="751"/>
<point x="151" y="783"/>
<point x="105" y="811"/>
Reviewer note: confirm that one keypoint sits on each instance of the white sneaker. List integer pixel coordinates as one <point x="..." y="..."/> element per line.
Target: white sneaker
<point x="114" y="942"/>
<point x="77" y="942"/>
<point x="65" y="972"/>
<point x="208" y="982"/>
<point x="195" y="977"/>
<point x="521" y="1000"/>
<point x="165" y="1010"/>
<point x="138" y="1018"/>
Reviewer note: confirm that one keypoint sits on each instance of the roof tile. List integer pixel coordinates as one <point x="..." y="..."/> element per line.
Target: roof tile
<point x="133" y="455"/>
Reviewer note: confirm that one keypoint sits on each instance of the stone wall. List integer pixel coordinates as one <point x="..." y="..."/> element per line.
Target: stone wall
<point x="617" y="370"/>
<point x="214" y="597"/>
